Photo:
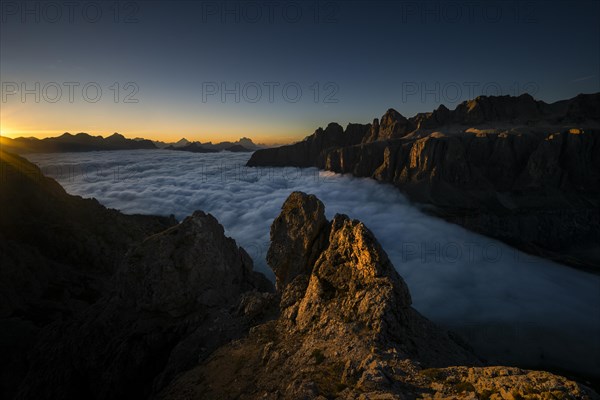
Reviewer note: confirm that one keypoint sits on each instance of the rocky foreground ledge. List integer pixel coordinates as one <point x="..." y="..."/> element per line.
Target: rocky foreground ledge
<point x="175" y="310"/>
<point x="346" y="330"/>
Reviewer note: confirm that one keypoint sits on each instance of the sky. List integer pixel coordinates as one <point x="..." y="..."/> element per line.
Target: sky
<point x="275" y="71"/>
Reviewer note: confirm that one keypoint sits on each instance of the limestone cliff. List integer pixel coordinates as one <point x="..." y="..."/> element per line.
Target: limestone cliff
<point x="513" y="168"/>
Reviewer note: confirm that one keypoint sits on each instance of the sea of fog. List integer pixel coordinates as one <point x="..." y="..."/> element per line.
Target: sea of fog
<point x="511" y="307"/>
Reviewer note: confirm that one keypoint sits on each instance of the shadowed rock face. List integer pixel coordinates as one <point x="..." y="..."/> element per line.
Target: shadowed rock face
<point x="393" y="126"/>
<point x="513" y="168"/>
<point x="295" y="243"/>
<point x="346" y="330"/>
<point x="57" y="254"/>
<point x="308" y="152"/>
<point x="177" y="296"/>
<point x="189" y="266"/>
<point x="58" y="250"/>
<point x="193" y="147"/>
<point x="101" y="305"/>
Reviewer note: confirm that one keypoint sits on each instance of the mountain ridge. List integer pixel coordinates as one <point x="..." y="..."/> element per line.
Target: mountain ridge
<point x="82" y="142"/>
<point x="68" y="142"/>
<point x="512" y="168"/>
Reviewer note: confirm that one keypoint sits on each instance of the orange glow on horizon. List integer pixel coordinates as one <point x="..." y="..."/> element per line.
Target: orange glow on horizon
<point x="257" y="139"/>
<point x="152" y="121"/>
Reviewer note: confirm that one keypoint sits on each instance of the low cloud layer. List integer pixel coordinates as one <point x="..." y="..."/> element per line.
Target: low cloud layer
<point x="513" y="308"/>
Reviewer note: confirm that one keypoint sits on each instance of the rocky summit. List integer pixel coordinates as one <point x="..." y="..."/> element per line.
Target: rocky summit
<point x="346" y="330"/>
<point x="513" y="168"/>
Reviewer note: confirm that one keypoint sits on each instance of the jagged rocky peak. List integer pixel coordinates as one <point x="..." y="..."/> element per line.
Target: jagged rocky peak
<point x="334" y="127"/>
<point x="442" y="109"/>
<point x="355" y="133"/>
<point x="375" y="124"/>
<point x="498" y="108"/>
<point x="439" y="117"/>
<point x="334" y="277"/>
<point x="343" y="253"/>
<point x="584" y="107"/>
<point x="297" y="236"/>
<point x="392" y="125"/>
<point x="190" y="265"/>
<point x="441" y="114"/>
<point x="391" y="116"/>
<point x="331" y="128"/>
<point x="352" y="281"/>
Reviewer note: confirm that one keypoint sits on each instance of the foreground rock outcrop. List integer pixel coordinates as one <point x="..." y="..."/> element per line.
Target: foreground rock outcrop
<point x="516" y="169"/>
<point x="101" y="305"/>
<point x="57" y="256"/>
<point x="178" y="296"/>
<point x="346" y="330"/>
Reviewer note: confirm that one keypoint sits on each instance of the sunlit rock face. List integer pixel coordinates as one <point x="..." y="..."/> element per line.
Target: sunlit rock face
<point x="349" y="283"/>
<point x="346" y="330"/>
<point x="352" y="278"/>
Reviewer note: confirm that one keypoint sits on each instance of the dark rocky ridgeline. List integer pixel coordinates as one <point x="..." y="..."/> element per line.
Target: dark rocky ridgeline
<point x="310" y="151"/>
<point x="57" y="249"/>
<point x="523" y="171"/>
<point x="101" y="305"/>
<point x="193" y="148"/>
<point x="242" y="145"/>
<point x="238" y="148"/>
<point x="73" y="143"/>
<point x="346" y="330"/>
<point x="57" y="254"/>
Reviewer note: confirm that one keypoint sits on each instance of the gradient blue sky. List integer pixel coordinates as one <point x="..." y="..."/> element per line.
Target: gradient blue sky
<point x="408" y="55"/>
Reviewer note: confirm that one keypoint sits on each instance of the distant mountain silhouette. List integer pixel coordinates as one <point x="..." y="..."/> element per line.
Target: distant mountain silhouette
<point x="85" y="142"/>
<point x="164" y="145"/>
<point x="237" y="148"/>
<point x="194" y="147"/>
<point x="73" y="143"/>
<point x="242" y="145"/>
